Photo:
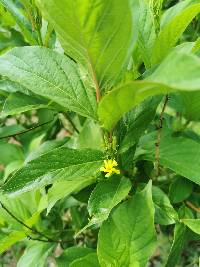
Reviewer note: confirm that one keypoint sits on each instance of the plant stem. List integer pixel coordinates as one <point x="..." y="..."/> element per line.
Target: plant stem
<point x="25" y="131"/>
<point x="157" y="152"/>
<point x="192" y="206"/>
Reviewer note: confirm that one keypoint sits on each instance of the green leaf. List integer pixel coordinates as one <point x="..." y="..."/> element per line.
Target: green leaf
<point x="175" y="194"/>
<point x="89" y="260"/>
<point x="11" y="239"/>
<point x="63" y="189"/>
<point x="193" y="224"/>
<point x="179" y="154"/>
<point x="135" y="122"/>
<point x="146" y="30"/>
<point x="59" y="164"/>
<point x="10" y="153"/>
<point x="35" y="255"/>
<point x="17" y="103"/>
<point x="106" y="195"/>
<point x="165" y="214"/>
<point x="172" y="31"/>
<point x="62" y="77"/>
<point x="179" y="71"/>
<point x="20" y="19"/>
<point x="97" y="33"/>
<point x="127" y="238"/>
<point x="180" y="239"/>
<point x="72" y="254"/>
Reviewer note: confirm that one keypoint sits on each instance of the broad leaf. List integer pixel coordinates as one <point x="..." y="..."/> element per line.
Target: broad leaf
<point x="175" y="194"/>
<point x="179" y="71"/>
<point x="11" y="239"/>
<point x="165" y="214"/>
<point x="97" y="33"/>
<point x="63" y="189"/>
<point x="51" y="75"/>
<point x="135" y="122"/>
<point x="172" y="31"/>
<point x="193" y="224"/>
<point x="127" y="238"/>
<point x="89" y="260"/>
<point x="105" y="196"/>
<point x="72" y="254"/>
<point x="16" y="103"/>
<point x="181" y="155"/>
<point x="21" y="20"/>
<point x="180" y="239"/>
<point x="35" y="255"/>
<point x="58" y="164"/>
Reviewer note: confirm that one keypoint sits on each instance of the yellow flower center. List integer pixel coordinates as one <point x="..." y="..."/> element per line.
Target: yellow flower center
<point x="109" y="167"/>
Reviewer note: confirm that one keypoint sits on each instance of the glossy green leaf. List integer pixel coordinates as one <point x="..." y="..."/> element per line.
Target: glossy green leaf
<point x="172" y="31"/>
<point x="58" y="164"/>
<point x="35" y="255"/>
<point x="193" y="224"/>
<point x="16" y="103"/>
<point x="165" y="214"/>
<point x="106" y="195"/>
<point x="179" y="154"/>
<point x="48" y="72"/>
<point x="10" y="153"/>
<point x="20" y="19"/>
<point x="97" y="33"/>
<point x="72" y="254"/>
<point x="146" y="30"/>
<point x="135" y="122"/>
<point x="179" y="71"/>
<point x="127" y="238"/>
<point x="89" y="260"/>
<point x="175" y="194"/>
<point x="11" y="239"/>
<point x="63" y="189"/>
<point x="179" y="241"/>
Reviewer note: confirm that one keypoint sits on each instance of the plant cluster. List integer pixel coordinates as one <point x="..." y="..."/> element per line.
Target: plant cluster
<point x="99" y="133"/>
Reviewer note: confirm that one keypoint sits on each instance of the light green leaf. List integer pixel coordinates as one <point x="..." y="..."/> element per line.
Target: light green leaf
<point x="72" y="254"/>
<point x="175" y="194"/>
<point x="146" y="31"/>
<point x="179" y="154"/>
<point x="48" y="72"/>
<point x="165" y="214"/>
<point x="10" y="153"/>
<point x="98" y="33"/>
<point x="63" y="189"/>
<point x="172" y="31"/>
<point x="193" y="224"/>
<point x="20" y="19"/>
<point x="35" y="255"/>
<point x="179" y="71"/>
<point x="89" y="260"/>
<point x="11" y="239"/>
<point x="127" y="238"/>
<point x="106" y="195"/>
<point x="16" y="103"/>
<point x="59" y="164"/>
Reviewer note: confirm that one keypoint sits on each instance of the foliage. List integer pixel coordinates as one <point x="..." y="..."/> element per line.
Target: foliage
<point x="99" y="133"/>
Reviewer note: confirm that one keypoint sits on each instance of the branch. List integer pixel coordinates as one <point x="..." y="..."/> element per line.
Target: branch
<point x="157" y="152"/>
<point x="48" y="239"/>
<point x="25" y="131"/>
<point x="192" y="206"/>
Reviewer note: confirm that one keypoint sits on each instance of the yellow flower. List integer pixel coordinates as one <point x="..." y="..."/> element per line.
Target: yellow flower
<point x="109" y="167"/>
